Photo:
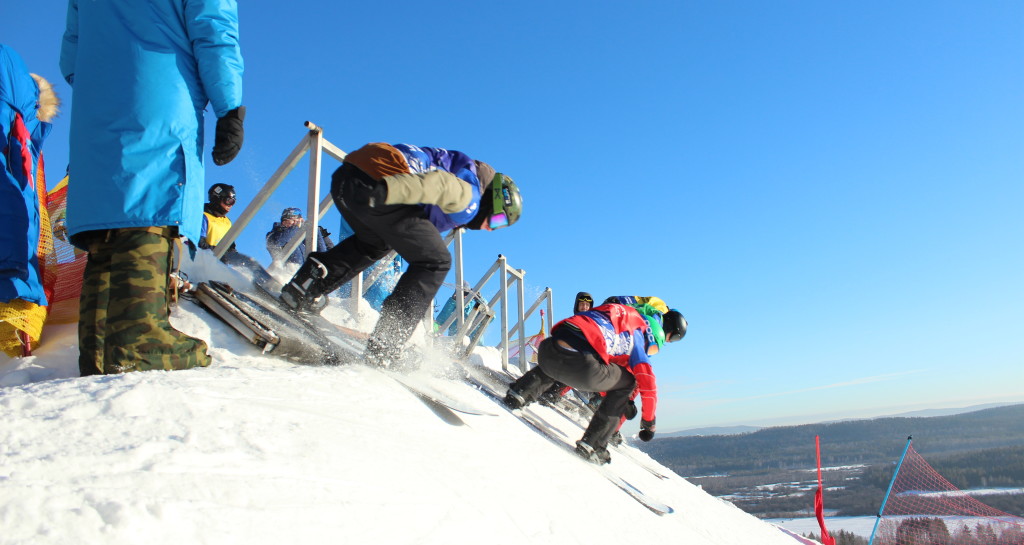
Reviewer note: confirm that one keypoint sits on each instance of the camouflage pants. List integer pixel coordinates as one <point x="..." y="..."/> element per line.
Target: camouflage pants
<point x="123" y="324"/>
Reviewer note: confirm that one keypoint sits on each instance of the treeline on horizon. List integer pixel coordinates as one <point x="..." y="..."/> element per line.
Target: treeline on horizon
<point x="972" y="450"/>
<point x="842" y="537"/>
<point x="879" y="440"/>
<point x="935" y="531"/>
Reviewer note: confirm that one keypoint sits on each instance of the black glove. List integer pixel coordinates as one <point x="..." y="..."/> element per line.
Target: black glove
<point x="324" y="232"/>
<point x="646" y="430"/>
<point x="631" y="411"/>
<point x="228" y="140"/>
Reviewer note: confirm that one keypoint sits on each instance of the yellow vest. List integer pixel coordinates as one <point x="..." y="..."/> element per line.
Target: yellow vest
<point x="216" y="228"/>
<point x="655" y="302"/>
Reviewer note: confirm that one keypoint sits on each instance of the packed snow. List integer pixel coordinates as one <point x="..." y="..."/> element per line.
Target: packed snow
<point x="256" y="449"/>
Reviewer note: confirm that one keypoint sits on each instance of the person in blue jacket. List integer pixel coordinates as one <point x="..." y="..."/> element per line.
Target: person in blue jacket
<point x="142" y="74"/>
<point x="27" y="103"/>
<point x="402" y="197"/>
<point x="282" y="232"/>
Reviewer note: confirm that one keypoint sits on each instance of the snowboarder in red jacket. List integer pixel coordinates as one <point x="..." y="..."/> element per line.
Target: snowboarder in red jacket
<point x="605" y="349"/>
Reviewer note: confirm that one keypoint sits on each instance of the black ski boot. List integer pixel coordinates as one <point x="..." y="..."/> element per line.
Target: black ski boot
<point x="592" y="454"/>
<point x="594" y="443"/>
<point x="527" y="388"/>
<point x="552" y="395"/>
<point x="305" y="291"/>
<point x="513" y="400"/>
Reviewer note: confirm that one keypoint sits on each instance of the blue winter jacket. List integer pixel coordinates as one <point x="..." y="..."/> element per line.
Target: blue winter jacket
<point x="280" y="236"/>
<point x="142" y="74"/>
<point x="21" y="138"/>
<point x="424" y="159"/>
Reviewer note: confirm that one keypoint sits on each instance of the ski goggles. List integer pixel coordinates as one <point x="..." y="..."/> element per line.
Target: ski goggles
<point x="499" y="197"/>
<point x="227" y="198"/>
<point x="222" y="193"/>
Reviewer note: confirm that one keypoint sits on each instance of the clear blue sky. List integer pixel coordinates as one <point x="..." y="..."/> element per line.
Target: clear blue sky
<point x="830" y="192"/>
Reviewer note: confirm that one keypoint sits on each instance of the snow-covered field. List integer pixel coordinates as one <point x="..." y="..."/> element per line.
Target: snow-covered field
<point x="860" y="526"/>
<point x="257" y="450"/>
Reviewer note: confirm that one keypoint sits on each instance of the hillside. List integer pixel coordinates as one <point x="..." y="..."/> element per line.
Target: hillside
<point x="255" y="450"/>
<point x="768" y="472"/>
<point x="850" y="442"/>
<point x="722" y="430"/>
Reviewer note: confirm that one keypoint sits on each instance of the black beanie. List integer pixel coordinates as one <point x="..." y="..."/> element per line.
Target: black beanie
<point x="582" y="296"/>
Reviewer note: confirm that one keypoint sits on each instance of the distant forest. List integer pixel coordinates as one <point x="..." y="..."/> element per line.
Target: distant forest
<point x="971" y="450"/>
<point x="879" y="440"/>
<point x="935" y="531"/>
<point x="863" y="488"/>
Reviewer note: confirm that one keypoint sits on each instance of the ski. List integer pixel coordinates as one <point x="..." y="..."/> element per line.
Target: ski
<point x="552" y="434"/>
<point x="431" y="392"/>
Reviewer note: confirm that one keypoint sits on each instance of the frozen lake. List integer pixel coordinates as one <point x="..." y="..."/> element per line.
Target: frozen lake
<point x="860" y="526"/>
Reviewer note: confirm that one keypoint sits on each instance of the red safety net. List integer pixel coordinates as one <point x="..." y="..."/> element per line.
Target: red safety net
<point x="64" y="264"/>
<point x="923" y="508"/>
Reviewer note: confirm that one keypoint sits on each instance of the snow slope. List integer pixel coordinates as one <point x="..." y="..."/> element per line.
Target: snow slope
<point x="256" y="450"/>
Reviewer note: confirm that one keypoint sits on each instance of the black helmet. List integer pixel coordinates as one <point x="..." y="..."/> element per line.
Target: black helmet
<point x="674" y="324"/>
<point x="222" y="192"/>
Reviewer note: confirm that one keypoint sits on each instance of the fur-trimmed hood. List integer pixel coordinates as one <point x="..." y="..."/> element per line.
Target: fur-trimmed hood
<point x="48" y="103"/>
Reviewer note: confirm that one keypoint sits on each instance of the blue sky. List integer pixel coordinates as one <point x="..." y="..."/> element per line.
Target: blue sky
<point x="830" y="192"/>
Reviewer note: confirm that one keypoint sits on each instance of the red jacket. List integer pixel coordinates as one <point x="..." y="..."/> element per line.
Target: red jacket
<point x="620" y="335"/>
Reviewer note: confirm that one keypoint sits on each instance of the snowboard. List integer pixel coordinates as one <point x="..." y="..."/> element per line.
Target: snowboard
<point x="353" y="343"/>
<point x="305" y="339"/>
<point x="570" y="414"/>
<point x="485" y="381"/>
<point x="569" y="411"/>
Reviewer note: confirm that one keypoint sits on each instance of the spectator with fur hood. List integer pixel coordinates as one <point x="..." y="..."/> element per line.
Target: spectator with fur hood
<point x="27" y="104"/>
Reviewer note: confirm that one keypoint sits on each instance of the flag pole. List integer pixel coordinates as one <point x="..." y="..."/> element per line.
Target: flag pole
<point x="889" y="490"/>
<point x="819" y="499"/>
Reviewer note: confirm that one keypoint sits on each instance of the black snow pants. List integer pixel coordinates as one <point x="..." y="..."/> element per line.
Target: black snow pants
<point x="583" y="370"/>
<point x="377" y="231"/>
